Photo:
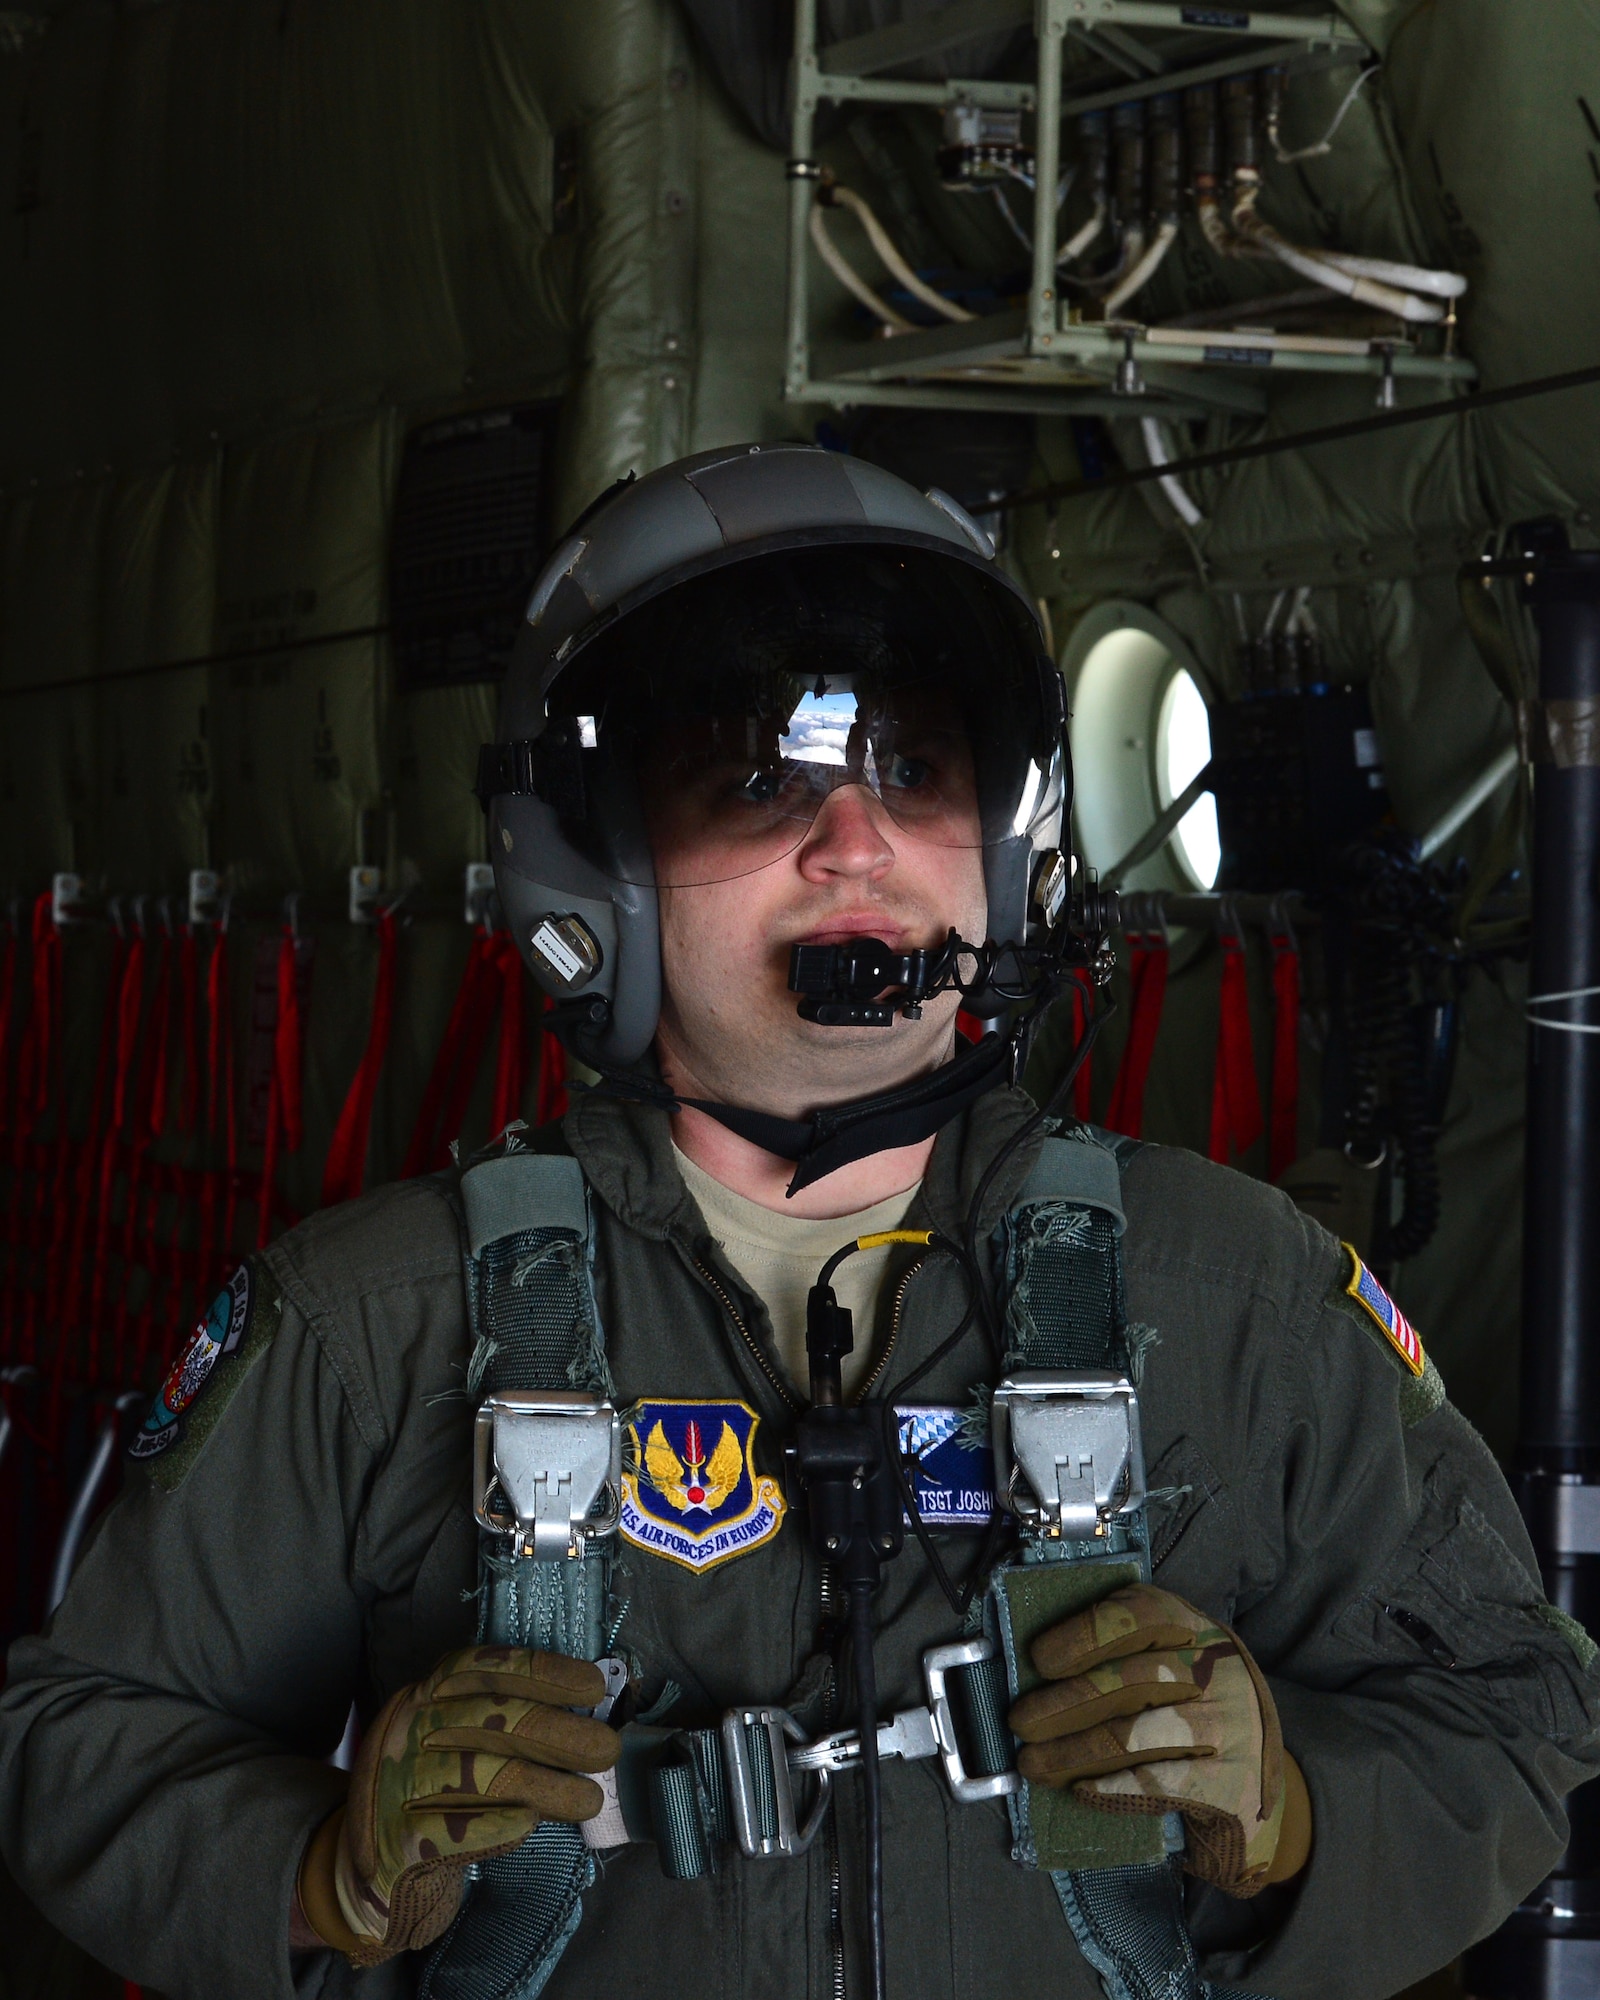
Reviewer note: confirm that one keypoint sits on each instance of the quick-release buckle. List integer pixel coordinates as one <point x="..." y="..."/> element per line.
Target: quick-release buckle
<point x="1067" y="1449"/>
<point x="761" y="1785"/>
<point x="543" y="1462"/>
<point x="938" y="1663"/>
<point x="765" y="1751"/>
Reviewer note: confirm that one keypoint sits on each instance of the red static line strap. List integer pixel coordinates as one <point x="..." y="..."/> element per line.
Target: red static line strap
<point x="129" y="999"/>
<point x="1148" y="973"/>
<point x="283" y="1097"/>
<point x="486" y="995"/>
<point x="222" y="1114"/>
<point x="145" y="1120"/>
<point x="160" y="1299"/>
<point x="1283" y="1143"/>
<point x="84" y="1203"/>
<point x="426" y="1149"/>
<point x="1235" y="1095"/>
<point x="8" y="1007"/>
<point x="189" y="1028"/>
<point x="158" y="1071"/>
<point x="346" y="1169"/>
<point x="551" y="1103"/>
<point x="511" y="1061"/>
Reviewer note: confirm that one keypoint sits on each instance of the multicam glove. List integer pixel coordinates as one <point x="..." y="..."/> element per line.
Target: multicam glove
<point x="1149" y="1706"/>
<point x="460" y="1767"/>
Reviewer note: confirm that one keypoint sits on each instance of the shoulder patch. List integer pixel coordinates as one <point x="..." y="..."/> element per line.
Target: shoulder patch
<point x="1360" y="1297"/>
<point x="205" y="1374"/>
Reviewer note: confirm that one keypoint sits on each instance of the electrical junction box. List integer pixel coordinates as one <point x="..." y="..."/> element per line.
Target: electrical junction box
<point x="1297" y="777"/>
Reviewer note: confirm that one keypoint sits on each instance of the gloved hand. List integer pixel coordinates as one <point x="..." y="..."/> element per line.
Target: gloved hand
<point x="460" y="1767"/>
<point x="1149" y="1706"/>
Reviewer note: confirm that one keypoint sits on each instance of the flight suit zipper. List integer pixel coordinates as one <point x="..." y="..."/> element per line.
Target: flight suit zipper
<point x="882" y="1362"/>
<point x="764" y="1361"/>
<point x="773" y="1375"/>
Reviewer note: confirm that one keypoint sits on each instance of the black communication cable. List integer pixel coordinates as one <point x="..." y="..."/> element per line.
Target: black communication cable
<point x="861" y="1595"/>
<point x="1206" y="461"/>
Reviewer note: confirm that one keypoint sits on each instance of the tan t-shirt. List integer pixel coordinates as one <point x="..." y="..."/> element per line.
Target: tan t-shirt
<point x="779" y="1256"/>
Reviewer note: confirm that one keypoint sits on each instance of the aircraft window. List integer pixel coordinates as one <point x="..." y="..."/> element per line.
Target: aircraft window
<point x="1140" y="732"/>
<point x="1183" y="749"/>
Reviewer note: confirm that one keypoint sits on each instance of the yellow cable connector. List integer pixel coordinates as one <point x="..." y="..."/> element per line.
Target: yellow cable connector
<point x="876" y="1242"/>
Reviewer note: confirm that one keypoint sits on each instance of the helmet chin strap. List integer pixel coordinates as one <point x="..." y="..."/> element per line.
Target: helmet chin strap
<point x="864" y="984"/>
<point x="840" y="1134"/>
<point x="843" y="1133"/>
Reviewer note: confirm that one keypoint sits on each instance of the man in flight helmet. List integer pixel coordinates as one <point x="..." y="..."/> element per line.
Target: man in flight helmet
<point x="815" y="1520"/>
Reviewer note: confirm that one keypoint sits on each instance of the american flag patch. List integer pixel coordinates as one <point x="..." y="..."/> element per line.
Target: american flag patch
<point x="1390" y="1321"/>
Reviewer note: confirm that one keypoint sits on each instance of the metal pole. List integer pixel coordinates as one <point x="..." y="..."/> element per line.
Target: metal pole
<point x="803" y="175"/>
<point x="1549" y="1949"/>
<point x="1042" y="316"/>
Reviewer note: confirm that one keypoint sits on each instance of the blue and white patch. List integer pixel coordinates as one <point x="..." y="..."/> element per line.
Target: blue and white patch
<point x="218" y="1335"/>
<point x="694" y="1494"/>
<point x="953" y="1476"/>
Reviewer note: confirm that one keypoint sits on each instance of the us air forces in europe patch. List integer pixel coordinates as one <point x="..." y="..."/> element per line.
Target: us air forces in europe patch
<point x="207" y="1370"/>
<point x="691" y="1491"/>
<point x="1361" y="1296"/>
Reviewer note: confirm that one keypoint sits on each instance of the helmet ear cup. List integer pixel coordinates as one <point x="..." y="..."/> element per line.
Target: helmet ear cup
<point x="621" y="916"/>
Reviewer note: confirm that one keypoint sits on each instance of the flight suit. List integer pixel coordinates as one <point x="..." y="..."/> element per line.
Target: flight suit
<point x="160" y="1746"/>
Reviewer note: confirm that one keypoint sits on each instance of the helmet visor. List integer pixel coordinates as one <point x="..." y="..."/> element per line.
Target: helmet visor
<point x="733" y="737"/>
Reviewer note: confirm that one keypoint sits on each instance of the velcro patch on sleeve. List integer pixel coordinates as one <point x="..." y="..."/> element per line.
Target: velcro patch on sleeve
<point x="1363" y="1289"/>
<point x="205" y="1374"/>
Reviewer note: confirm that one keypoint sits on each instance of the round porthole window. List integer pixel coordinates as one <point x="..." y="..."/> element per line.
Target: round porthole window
<point x="1183" y="750"/>
<point x="1140" y="733"/>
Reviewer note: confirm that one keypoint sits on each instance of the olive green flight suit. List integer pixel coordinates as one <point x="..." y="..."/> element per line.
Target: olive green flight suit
<point x="160" y="1745"/>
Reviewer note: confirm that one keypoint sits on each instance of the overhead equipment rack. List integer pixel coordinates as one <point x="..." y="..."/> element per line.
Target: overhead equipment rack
<point x="1042" y="357"/>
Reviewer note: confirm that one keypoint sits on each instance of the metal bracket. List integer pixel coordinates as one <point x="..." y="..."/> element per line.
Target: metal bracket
<point x="366" y="891"/>
<point x="477" y="895"/>
<point x="66" y="898"/>
<point x="541" y="1463"/>
<point x="1071" y="1438"/>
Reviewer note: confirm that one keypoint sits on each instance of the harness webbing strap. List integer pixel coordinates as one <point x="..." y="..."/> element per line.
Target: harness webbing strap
<point x="1117" y="1876"/>
<point x="531" y="1312"/>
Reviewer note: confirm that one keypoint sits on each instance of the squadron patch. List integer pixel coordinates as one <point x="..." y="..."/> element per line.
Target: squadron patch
<point x="692" y="1493"/>
<point x="1386" y="1316"/>
<point x="216" y="1356"/>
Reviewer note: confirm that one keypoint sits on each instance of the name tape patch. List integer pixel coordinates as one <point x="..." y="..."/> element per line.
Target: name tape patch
<point x="694" y="1494"/>
<point x="953" y="1471"/>
<point x="1385" y="1315"/>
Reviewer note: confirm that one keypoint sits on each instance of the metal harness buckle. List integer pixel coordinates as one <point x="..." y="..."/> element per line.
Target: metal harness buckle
<point x="541" y="1463"/>
<point x="1073" y="1435"/>
<point x="762" y="1773"/>
<point x="938" y="1663"/>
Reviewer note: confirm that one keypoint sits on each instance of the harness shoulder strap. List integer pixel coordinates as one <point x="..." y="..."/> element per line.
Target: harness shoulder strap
<point x="1065" y="1308"/>
<point x="1062" y="1267"/>
<point x="528" y="1270"/>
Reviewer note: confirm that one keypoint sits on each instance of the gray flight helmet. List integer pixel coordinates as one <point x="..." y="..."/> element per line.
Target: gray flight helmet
<point x="587" y="926"/>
